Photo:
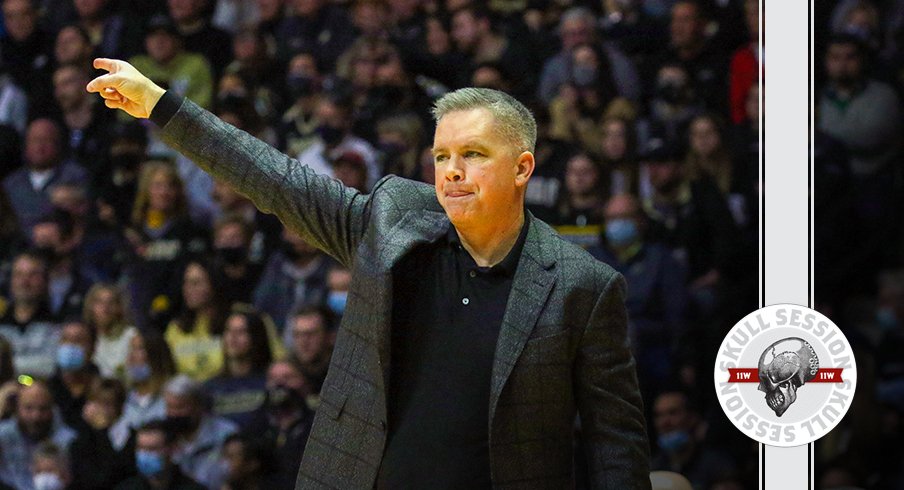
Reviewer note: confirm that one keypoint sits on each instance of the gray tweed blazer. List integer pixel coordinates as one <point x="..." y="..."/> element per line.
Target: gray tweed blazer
<point x="562" y="346"/>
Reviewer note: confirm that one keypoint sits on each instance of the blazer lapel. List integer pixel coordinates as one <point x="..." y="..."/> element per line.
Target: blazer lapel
<point x="531" y="286"/>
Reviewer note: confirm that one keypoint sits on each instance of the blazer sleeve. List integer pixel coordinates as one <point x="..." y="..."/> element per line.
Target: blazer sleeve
<point x="323" y="211"/>
<point x="613" y="428"/>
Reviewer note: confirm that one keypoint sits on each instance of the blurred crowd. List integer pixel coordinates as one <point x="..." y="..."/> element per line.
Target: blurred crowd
<point x="858" y="203"/>
<point x="158" y="331"/>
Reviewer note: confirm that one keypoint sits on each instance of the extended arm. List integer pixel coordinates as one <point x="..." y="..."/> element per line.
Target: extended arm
<point x="609" y="403"/>
<point x="324" y="212"/>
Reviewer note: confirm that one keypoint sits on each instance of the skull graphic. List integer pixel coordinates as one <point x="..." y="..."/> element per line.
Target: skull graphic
<point x="784" y="367"/>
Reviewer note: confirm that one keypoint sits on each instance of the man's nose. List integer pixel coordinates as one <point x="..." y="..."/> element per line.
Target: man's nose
<point x="455" y="169"/>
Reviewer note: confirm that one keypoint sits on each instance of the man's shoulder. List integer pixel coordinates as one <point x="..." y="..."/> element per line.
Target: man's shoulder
<point x="407" y="193"/>
<point x="574" y="264"/>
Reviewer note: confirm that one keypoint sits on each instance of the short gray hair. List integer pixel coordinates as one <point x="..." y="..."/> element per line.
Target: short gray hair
<point x="182" y="386"/>
<point x="513" y="120"/>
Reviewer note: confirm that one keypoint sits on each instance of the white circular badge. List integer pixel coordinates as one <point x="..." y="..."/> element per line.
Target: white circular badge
<point x="785" y="375"/>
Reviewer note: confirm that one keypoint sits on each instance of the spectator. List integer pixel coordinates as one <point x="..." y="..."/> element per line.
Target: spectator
<point x="673" y="103"/>
<point x="848" y="108"/>
<point x="239" y="391"/>
<point x="657" y="298"/>
<point x="316" y="26"/>
<point x="745" y="65"/>
<point x="475" y="35"/>
<point x="20" y="436"/>
<point x="51" y="468"/>
<point x="349" y="168"/>
<point x="149" y="366"/>
<point x="198" y="35"/>
<point x="266" y="228"/>
<point x="585" y="100"/>
<point x="577" y="27"/>
<point x="75" y="372"/>
<point x="25" y="49"/>
<point x="105" y="313"/>
<point x="706" y="156"/>
<point x="195" y="336"/>
<point x="335" y="137"/>
<point x="199" y="434"/>
<point x="154" y="452"/>
<point x="232" y="237"/>
<point x="106" y="27"/>
<point x="298" y="125"/>
<point x="101" y="457"/>
<point x="311" y="345"/>
<point x="618" y="147"/>
<point x="53" y="235"/>
<point x="169" y="65"/>
<point x="295" y="276"/>
<point x="581" y="201"/>
<point x="86" y="120"/>
<point x="26" y="321"/>
<point x="28" y="187"/>
<point x="679" y="446"/>
<point x="118" y="186"/>
<point x="692" y="219"/>
<point x="249" y="462"/>
<point x="161" y="238"/>
<point x="288" y="421"/>
<point x="706" y="64"/>
<point x="73" y="47"/>
<point x="338" y="280"/>
<point x="399" y="139"/>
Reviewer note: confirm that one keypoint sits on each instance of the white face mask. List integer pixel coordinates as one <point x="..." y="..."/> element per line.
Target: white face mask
<point x="47" y="481"/>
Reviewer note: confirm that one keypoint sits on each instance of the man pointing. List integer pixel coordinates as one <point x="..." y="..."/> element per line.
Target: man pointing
<point x="473" y="334"/>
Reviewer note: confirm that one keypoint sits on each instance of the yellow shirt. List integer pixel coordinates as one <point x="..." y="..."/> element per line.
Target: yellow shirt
<point x="197" y="353"/>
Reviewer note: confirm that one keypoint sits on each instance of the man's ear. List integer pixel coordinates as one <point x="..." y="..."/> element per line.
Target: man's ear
<point x="524" y="168"/>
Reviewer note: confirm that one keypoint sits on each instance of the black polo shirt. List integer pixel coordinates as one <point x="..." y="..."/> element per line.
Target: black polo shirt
<point x="447" y="312"/>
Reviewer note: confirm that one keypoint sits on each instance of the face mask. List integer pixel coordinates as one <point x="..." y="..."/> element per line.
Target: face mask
<point x="676" y="440"/>
<point x="886" y="319"/>
<point x="621" y="232"/>
<point x="70" y="357"/>
<point x="48" y="252"/>
<point x="330" y="135"/>
<point x="149" y="463"/>
<point x="281" y="396"/>
<point x="671" y="92"/>
<point x="47" y="481"/>
<point x="584" y="76"/>
<point x="232" y="255"/>
<point x="139" y="373"/>
<point x="336" y="301"/>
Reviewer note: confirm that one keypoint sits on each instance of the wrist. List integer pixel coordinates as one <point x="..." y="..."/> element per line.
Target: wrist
<point x="155" y="96"/>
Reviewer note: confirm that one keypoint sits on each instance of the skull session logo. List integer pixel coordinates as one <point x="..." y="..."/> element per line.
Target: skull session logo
<point x="785" y="375"/>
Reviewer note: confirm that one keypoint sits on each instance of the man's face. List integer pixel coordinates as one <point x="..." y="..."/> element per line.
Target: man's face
<point x="615" y="140"/>
<point x="28" y="283"/>
<point x="19" y="19"/>
<point x="69" y="88"/>
<point x="670" y="413"/>
<point x="476" y="169"/>
<point x="843" y="64"/>
<point x="161" y="46"/>
<point x="153" y="441"/>
<point x="47" y="235"/>
<point x="466" y="31"/>
<point x="581" y="176"/>
<point x="34" y="412"/>
<point x="42" y="145"/>
<point x="230" y="235"/>
<point x="236" y="338"/>
<point x="574" y="32"/>
<point x="308" y="337"/>
<point x="70" y="46"/>
<point x="281" y="373"/>
<point x="686" y="26"/>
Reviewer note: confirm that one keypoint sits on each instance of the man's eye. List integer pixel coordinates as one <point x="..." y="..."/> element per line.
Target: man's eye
<point x="472" y="153"/>
<point x="439" y="158"/>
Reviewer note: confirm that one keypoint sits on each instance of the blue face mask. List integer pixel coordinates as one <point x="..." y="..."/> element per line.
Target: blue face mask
<point x="149" y="463"/>
<point x="139" y="373"/>
<point x="621" y="232"/>
<point x="336" y="301"/>
<point x="673" y="441"/>
<point x="70" y="357"/>
<point x="886" y="319"/>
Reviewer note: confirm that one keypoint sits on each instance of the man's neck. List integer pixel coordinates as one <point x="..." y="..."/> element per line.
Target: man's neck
<point x="24" y="312"/>
<point x="490" y="245"/>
